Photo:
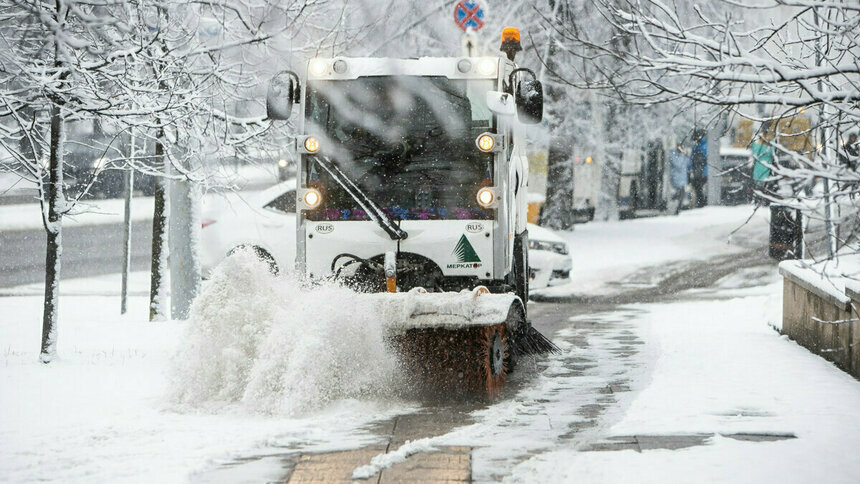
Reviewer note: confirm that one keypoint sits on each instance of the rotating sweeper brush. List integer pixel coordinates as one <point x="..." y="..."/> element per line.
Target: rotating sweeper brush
<point x="460" y="343"/>
<point x="412" y="183"/>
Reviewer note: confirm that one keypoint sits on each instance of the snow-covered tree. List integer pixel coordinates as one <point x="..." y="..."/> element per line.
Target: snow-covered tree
<point x="179" y="75"/>
<point x="52" y="62"/>
<point x="772" y="61"/>
<point x="589" y="115"/>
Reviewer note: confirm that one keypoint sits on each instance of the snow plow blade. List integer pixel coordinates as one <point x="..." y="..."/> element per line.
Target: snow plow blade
<point x="460" y="343"/>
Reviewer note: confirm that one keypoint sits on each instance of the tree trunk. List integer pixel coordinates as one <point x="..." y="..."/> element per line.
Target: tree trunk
<point x="53" y="220"/>
<point x="157" y="298"/>
<point x="558" y="209"/>
<point x="557" y="212"/>
<point x="611" y="152"/>
<point x="128" y="179"/>
<point x="54" y="230"/>
<point x="184" y="230"/>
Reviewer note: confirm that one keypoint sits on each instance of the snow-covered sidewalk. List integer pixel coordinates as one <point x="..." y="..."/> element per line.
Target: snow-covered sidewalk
<point x="26" y="216"/>
<point x="763" y="408"/>
<point x="606" y="253"/>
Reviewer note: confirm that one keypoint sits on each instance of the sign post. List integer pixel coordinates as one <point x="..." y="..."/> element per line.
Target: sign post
<point x="126" y="231"/>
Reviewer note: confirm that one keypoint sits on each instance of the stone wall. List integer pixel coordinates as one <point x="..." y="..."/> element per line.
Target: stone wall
<point x="825" y="323"/>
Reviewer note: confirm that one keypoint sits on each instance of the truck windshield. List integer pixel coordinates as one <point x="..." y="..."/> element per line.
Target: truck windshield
<point x="408" y="142"/>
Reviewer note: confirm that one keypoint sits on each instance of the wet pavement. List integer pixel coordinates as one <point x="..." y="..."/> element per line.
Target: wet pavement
<point x="448" y="464"/>
<point x="641" y="443"/>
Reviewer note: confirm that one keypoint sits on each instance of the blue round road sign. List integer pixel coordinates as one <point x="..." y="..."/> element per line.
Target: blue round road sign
<point x="469" y="14"/>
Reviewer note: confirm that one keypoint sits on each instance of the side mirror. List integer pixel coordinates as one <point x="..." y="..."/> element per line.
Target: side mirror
<point x="501" y="103"/>
<point x="530" y="101"/>
<point x="284" y="90"/>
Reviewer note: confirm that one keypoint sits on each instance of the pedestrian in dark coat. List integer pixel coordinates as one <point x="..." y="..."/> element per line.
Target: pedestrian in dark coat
<point x="699" y="167"/>
<point x="850" y="152"/>
<point x="679" y="175"/>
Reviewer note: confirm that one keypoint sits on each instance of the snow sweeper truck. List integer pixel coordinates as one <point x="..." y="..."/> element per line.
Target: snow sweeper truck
<point x="412" y="184"/>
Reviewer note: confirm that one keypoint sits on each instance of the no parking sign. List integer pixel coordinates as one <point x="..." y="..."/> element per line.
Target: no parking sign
<point x="469" y="14"/>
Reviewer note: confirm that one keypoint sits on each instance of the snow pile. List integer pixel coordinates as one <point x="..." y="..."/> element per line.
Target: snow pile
<point x="828" y="276"/>
<point x="271" y="345"/>
<point x="384" y="461"/>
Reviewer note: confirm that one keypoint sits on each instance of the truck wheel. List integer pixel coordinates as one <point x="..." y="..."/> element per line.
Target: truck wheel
<point x="521" y="267"/>
<point x="517" y="328"/>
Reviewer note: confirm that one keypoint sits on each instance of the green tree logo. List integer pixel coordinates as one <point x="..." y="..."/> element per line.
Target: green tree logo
<point x="465" y="252"/>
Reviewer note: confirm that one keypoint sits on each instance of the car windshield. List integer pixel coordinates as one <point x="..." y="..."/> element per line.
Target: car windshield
<point x="408" y="142"/>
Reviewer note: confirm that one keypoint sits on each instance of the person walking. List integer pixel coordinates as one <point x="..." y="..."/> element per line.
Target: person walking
<point x="699" y="166"/>
<point x="850" y="152"/>
<point x="848" y="156"/>
<point x="763" y="156"/>
<point x="679" y="166"/>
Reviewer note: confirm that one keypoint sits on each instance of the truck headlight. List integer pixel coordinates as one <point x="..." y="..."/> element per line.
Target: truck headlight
<point x="485" y="142"/>
<point x="318" y="67"/>
<point x="282" y="163"/>
<point x="487" y="67"/>
<point x="464" y="65"/>
<point x="339" y="66"/>
<point x="312" y="198"/>
<point x="312" y="145"/>
<point x="486" y="197"/>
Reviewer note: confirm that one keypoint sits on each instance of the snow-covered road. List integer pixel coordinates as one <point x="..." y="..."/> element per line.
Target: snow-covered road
<point x="88" y="250"/>
<point x="687" y="386"/>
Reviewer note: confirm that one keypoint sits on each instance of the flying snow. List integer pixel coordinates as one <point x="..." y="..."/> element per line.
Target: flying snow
<point x="270" y="344"/>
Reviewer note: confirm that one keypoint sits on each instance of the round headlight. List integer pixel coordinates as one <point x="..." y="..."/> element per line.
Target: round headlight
<point x="485" y="142"/>
<point x="487" y="67"/>
<point x="282" y="163"/>
<point x="339" y="66"/>
<point x="464" y="65"/>
<point x="312" y="145"/>
<point x="312" y="198"/>
<point x="486" y="197"/>
<point x="318" y="67"/>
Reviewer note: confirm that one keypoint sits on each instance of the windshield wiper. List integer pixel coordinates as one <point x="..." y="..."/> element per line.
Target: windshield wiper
<point x="365" y="202"/>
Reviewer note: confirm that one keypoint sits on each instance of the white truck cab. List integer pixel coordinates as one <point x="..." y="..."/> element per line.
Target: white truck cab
<point x="423" y="158"/>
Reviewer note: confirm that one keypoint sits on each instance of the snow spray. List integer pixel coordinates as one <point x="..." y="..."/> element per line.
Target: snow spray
<point x="270" y="344"/>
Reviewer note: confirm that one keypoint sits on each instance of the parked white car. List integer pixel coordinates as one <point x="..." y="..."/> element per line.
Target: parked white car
<point x="266" y="222"/>
<point x="549" y="258"/>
